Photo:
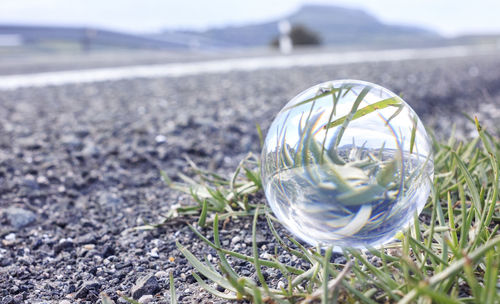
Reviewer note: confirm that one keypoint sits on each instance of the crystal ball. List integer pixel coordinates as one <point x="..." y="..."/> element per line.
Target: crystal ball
<point x="347" y="163"/>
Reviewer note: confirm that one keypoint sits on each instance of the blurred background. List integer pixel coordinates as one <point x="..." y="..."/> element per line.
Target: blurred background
<point x="46" y="35"/>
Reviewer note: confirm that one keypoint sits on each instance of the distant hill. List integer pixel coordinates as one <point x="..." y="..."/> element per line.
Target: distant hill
<point x="335" y="25"/>
<point x="86" y="37"/>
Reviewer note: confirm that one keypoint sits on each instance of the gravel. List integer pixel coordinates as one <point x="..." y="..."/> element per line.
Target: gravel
<point x="79" y="167"/>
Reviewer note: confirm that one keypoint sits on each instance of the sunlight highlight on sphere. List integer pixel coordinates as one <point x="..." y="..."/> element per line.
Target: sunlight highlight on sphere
<point x="347" y="163"/>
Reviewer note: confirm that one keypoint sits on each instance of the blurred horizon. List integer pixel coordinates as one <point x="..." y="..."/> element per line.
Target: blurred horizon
<point x="55" y="35"/>
<point x="445" y="17"/>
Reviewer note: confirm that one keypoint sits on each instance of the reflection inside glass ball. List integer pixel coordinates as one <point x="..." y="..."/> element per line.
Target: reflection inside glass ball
<point x="346" y="164"/>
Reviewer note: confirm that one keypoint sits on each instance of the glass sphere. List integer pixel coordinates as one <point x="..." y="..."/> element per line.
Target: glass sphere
<point x="347" y="163"/>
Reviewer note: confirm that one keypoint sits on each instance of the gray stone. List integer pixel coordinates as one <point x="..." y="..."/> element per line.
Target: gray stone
<point x="71" y="142"/>
<point x="42" y="180"/>
<point x="146" y="285"/>
<point x="154" y="253"/>
<point x="161" y="274"/>
<point x="7" y="300"/>
<point x="18" y="217"/>
<point x="30" y="184"/>
<point x="5" y="261"/>
<point x="89" y="238"/>
<point x="18" y="299"/>
<point x="82" y="133"/>
<point x="259" y="239"/>
<point x="160" y="139"/>
<point x="90" y="150"/>
<point x="86" y="288"/>
<point x="108" y="251"/>
<point x="145" y="299"/>
<point x="64" y="244"/>
<point x="110" y="199"/>
<point x="30" y="143"/>
<point x="10" y="237"/>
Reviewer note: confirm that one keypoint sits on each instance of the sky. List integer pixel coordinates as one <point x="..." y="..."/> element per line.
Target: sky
<point x="448" y="17"/>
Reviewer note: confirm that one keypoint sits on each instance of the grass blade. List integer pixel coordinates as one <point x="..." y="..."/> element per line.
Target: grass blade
<point x="261" y="136"/>
<point x="130" y="300"/>
<point x="454" y="268"/>
<point x="413" y="133"/>
<point x="255" y="251"/>
<point x="203" y="269"/>
<point x="470" y="183"/>
<point x="173" y="297"/>
<point x="490" y="291"/>
<point x="393" y="101"/>
<point x="347" y="119"/>
<point x="203" y="216"/>
<point x="329" y="92"/>
<point x="326" y="276"/>
<point x="212" y="290"/>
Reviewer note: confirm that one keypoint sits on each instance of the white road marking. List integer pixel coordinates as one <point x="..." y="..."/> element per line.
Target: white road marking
<point x="11" y="82"/>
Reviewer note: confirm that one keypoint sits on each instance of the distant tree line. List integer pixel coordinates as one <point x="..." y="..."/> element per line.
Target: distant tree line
<point x="300" y="35"/>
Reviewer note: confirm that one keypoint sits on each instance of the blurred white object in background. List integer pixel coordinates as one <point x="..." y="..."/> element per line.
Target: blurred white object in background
<point x="285" y="41"/>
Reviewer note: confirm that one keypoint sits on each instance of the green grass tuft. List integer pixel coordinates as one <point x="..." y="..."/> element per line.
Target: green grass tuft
<point x="450" y="255"/>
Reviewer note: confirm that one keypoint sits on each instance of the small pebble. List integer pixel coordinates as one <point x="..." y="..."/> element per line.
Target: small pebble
<point x="161" y="274"/>
<point x="154" y="253"/>
<point x="88" y="287"/>
<point x="281" y="284"/>
<point x="89" y="246"/>
<point x="145" y="299"/>
<point x="19" y="218"/>
<point x="42" y="180"/>
<point x="146" y="285"/>
<point x="10" y="237"/>
<point x="160" y="139"/>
